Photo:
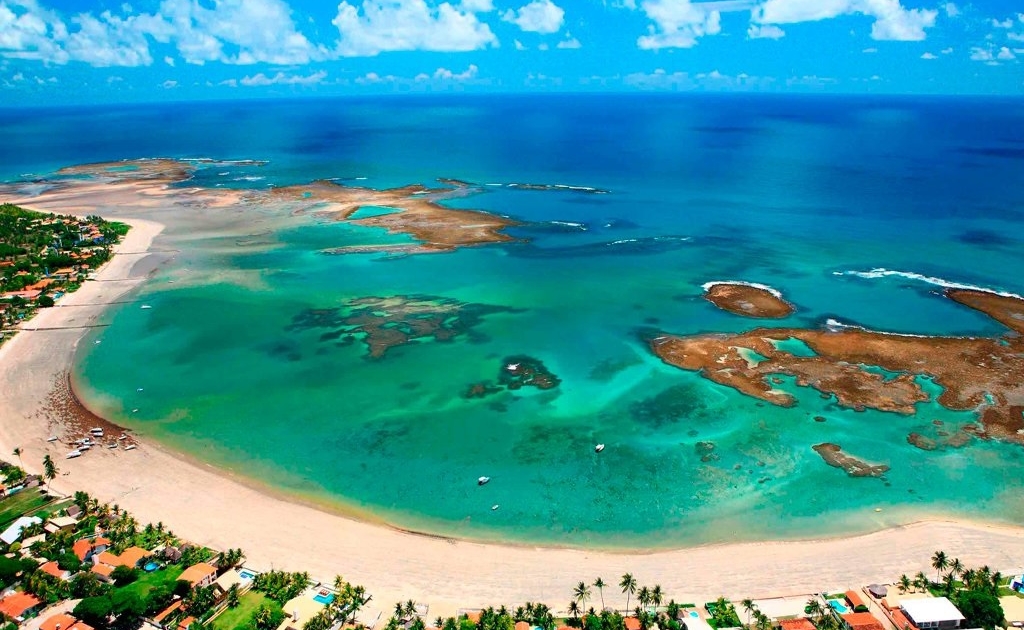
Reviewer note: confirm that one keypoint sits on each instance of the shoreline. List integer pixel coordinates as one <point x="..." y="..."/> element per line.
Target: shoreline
<point x="216" y="507"/>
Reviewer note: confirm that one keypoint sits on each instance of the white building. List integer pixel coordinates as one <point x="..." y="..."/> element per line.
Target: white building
<point x="932" y="612"/>
<point x="13" y="533"/>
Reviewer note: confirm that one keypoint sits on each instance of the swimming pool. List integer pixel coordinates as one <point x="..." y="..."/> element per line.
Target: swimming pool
<point x="839" y="606"/>
<point x="694" y="614"/>
<point x="324" y="599"/>
<point x="246" y="574"/>
<point x="151" y="566"/>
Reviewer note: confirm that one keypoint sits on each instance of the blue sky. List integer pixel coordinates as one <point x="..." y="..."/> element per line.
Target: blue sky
<point x="100" y="51"/>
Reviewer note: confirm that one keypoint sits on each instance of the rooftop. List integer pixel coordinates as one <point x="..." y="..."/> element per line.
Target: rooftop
<point x="15" y="604"/>
<point x="197" y="572"/>
<point x="802" y="623"/>
<point x="931" y="610"/>
<point x="862" y="621"/>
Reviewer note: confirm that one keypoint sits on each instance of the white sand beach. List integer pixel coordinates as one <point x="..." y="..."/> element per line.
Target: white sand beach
<point x="206" y="505"/>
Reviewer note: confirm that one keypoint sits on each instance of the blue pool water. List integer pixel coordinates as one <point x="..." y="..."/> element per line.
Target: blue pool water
<point x="246" y="574"/>
<point x="324" y="599"/>
<point x="838" y="606"/>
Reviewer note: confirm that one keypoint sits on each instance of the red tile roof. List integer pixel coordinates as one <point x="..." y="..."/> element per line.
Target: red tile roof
<point x="632" y="623"/>
<point x="167" y="611"/>
<point x="82" y="548"/>
<point x="15" y="604"/>
<point x="802" y="623"/>
<point x="63" y="621"/>
<point x="900" y="620"/>
<point x="854" y="599"/>
<point x="197" y="572"/>
<point x="52" y="569"/>
<point x="522" y="625"/>
<point x="862" y="621"/>
<point x="103" y="569"/>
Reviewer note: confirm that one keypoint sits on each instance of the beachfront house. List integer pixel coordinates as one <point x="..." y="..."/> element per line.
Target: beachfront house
<point x="19" y="606"/>
<point x="12" y="534"/>
<point x="60" y="524"/>
<point x="299" y="610"/>
<point x="801" y="623"/>
<point x="861" y="621"/>
<point x="198" y="575"/>
<point x="932" y="612"/>
<point x="63" y="621"/>
<point x="86" y="548"/>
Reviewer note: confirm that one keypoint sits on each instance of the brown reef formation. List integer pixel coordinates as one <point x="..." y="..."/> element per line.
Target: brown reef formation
<point x="977" y="374"/>
<point x="418" y="214"/>
<point x="388" y="322"/>
<point x="523" y="371"/>
<point x="834" y="456"/>
<point x="747" y="300"/>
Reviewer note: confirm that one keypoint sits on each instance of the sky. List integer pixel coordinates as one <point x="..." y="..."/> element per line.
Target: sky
<point x="108" y="51"/>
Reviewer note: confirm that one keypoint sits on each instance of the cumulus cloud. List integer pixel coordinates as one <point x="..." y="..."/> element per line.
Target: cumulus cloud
<point x="1005" y="54"/>
<point x="262" y="80"/>
<point x="870" y="50"/>
<point x="540" y="16"/>
<point x="660" y="80"/>
<point x="169" y="84"/>
<point x="892" y="20"/>
<point x="1015" y="37"/>
<point x="444" y="74"/>
<point x="947" y="51"/>
<point x="951" y="9"/>
<point x="1007" y="23"/>
<point x="765" y="31"/>
<point x="569" y="43"/>
<point x="678" y="23"/>
<point x="388" y="25"/>
<point x="519" y="45"/>
<point x="929" y="55"/>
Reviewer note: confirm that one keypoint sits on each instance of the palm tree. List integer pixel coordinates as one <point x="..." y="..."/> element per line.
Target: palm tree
<point x="644" y="597"/>
<point x="748" y="607"/>
<point x="599" y="585"/>
<point x="921" y="581"/>
<point x="574" y="609"/>
<point x="17" y="453"/>
<point x="948" y="581"/>
<point x="49" y="470"/>
<point x="814" y="608"/>
<point x="940" y="563"/>
<point x="628" y="584"/>
<point x="904" y="583"/>
<point x="582" y="594"/>
<point x="956" y="567"/>
<point x="656" y="596"/>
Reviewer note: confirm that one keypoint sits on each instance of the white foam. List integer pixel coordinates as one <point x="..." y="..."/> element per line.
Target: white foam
<point x="832" y="324"/>
<point x="881" y="272"/>
<point x="764" y="287"/>
<point x="569" y="224"/>
<point x="249" y="178"/>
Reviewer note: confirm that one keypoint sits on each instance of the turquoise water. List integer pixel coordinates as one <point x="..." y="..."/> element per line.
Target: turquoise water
<point x="788" y="193"/>
<point x="838" y="606"/>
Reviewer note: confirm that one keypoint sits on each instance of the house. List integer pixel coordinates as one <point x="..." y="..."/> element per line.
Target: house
<point x="86" y="548"/>
<point x="522" y="625"/>
<point x="130" y="557"/>
<point x="802" y="623"/>
<point x="63" y="621"/>
<point x="19" y="605"/>
<point x="60" y="524"/>
<point x="13" y="533"/>
<point x="74" y="511"/>
<point x="862" y="621"/>
<point x="186" y="623"/>
<point x="52" y="568"/>
<point x="299" y="610"/>
<point x="172" y="554"/>
<point x="932" y="612"/>
<point x="854" y="600"/>
<point x="632" y="623"/>
<point x="229" y="579"/>
<point x="202" y="574"/>
<point x="103" y="572"/>
<point x="167" y="612"/>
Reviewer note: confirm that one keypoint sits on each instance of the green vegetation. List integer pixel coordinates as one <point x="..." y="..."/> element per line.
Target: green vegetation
<point x="20" y="503"/>
<point x="162" y="579"/>
<point x="42" y="255"/>
<point x="242" y="616"/>
<point x="280" y="586"/>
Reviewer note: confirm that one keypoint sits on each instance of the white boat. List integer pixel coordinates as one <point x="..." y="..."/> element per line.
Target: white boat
<point x="113" y="445"/>
<point x="73" y="454"/>
<point x="52" y="438"/>
<point x="97" y="431"/>
<point x="84" y="447"/>
<point x="495" y="507"/>
<point x="512" y="367"/>
<point x="130" y="447"/>
<point x="482" y="480"/>
<point x="146" y="306"/>
<point x="599" y="448"/>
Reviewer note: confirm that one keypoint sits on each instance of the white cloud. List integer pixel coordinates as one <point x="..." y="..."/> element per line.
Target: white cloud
<point x="1005" y="54"/>
<point x="1007" y="23"/>
<point x="870" y="50"/>
<point x="229" y="82"/>
<point x="540" y="16"/>
<point x="678" y="23"/>
<point x="388" y="25"/>
<point x="444" y="74"/>
<point x="569" y="43"/>
<point x="477" y="6"/>
<point x="951" y="9"/>
<point x="169" y="84"/>
<point x="18" y="77"/>
<point x="947" y="51"/>
<point x="519" y="45"/>
<point x="765" y="31"/>
<point x="928" y="55"/>
<point x="262" y="80"/>
<point x="892" y="20"/>
<point x="981" y="54"/>
<point x="660" y="80"/>
<point x="169" y="61"/>
<point x="1015" y="37"/>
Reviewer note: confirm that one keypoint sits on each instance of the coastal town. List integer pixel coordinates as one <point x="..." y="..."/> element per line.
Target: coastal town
<point x="74" y="563"/>
<point x="45" y="256"/>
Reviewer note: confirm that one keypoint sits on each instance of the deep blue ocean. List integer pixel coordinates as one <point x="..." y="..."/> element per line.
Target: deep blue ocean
<point x="806" y="194"/>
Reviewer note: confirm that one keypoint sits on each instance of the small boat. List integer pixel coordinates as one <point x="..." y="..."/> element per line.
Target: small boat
<point x="139" y="389"/>
<point x="512" y="367"/>
<point x="73" y="454"/>
<point x="482" y="481"/>
<point x="130" y="447"/>
<point x="146" y="306"/>
<point x="112" y="445"/>
<point x="52" y="438"/>
<point x="495" y="507"/>
<point x="599" y="448"/>
<point x="84" y="447"/>
<point x="97" y="431"/>
<point x="136" y="410"/>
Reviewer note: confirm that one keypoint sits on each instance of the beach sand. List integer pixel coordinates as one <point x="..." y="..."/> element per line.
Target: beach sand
<point x="210" y="507"/>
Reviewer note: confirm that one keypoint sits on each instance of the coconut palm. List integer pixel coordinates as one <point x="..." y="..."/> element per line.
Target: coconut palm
<point x="599" y="585"/>
<point x="921" y="581"/>
<point x="17" y="453"/>
<point x="940" y="563"/>
<point x="814" y="608"/>
<point x="50" y="470"/>
<point x="956" y="567"/>
<point x="628" y="584"/>
<point x="904" y="583"/>
<point x="581" y="593"/>
<point x="644" y="597"/>
<point x="574" y="609"/>
<point x="748" y="607"/>
<point x="657" y="596"/>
